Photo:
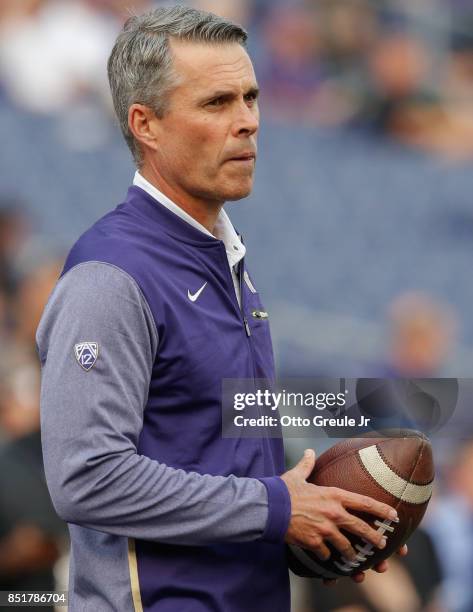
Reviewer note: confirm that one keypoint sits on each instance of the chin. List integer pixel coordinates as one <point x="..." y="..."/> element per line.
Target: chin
<point x="233" y="197"/>
<point x="240" y="191"/>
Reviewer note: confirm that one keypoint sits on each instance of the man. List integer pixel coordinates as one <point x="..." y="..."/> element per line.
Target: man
<point x="152" y="311"/>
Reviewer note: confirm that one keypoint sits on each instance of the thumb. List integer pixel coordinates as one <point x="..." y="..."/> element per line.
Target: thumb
<point x="306" y="464"/>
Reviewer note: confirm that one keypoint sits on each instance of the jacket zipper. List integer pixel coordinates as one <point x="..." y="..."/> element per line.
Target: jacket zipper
<point x="246" y="325"/>
<point x="241" y="269"/>
<point x="240" y="280"/>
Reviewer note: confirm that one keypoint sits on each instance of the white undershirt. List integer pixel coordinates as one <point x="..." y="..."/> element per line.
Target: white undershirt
<point x="223" y="229"/>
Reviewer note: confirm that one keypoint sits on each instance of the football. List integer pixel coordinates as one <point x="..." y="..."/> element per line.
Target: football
<point x="394" y="468"/>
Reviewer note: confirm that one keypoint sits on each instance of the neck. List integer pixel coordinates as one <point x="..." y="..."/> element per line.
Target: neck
<point x="203" y="211"/>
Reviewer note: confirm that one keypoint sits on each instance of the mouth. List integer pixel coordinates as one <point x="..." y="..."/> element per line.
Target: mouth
<point x="247" y="156"/>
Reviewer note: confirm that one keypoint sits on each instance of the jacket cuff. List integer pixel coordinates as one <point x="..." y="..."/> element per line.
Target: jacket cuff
<point x="279" y="509"/>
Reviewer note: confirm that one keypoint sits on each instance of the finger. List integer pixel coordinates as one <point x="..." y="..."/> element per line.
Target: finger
<point x="363" y="503"/>
<point x="358" y="577"/>
<point x="381" y="567"/>
<point x="363" y="530"/>
<point x="322" y="551"/>
<point x="306" y="464"/>
<point x="402" y="552"/>
<point x="342" y="544"/>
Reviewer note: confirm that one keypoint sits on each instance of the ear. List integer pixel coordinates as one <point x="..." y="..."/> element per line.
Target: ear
<point x="143" y="124"/>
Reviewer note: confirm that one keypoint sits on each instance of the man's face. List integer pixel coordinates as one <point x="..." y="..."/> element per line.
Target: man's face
<point x="207" y="138"/>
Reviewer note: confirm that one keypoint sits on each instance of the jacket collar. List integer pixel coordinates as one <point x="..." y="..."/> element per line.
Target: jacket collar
<point x="224" y="230"/>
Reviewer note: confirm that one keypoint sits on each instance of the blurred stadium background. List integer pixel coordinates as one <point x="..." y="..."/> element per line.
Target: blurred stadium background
<point x="360" y="233"/>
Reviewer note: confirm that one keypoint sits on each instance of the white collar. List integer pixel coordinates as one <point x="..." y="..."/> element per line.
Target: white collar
<point x="223" y="229"/>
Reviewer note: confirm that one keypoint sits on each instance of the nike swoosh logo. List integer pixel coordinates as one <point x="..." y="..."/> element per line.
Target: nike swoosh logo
<point x="194" y="296"/>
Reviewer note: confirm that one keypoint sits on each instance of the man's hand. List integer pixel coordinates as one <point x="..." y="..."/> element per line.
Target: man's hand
<point x="318" y="514"/>
<point x="380" y="568"/>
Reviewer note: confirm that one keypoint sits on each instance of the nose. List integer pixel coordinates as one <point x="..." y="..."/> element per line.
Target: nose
<point x="246" y="122"/>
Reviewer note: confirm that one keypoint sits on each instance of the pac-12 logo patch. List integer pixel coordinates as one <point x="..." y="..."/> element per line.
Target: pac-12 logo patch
<point x="86" y="354"/>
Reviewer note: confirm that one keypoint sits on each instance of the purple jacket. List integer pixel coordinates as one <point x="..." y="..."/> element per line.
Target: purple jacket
<point x="164" y="513"/>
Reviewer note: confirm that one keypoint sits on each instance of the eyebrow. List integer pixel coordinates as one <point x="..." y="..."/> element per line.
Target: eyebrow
<point x="253" y="90"/>
<point x="227" y="93"/>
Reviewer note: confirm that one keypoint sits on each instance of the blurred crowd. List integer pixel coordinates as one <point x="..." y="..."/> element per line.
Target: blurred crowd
<point x="395" y="69"/>
<point x="32" y="537"/>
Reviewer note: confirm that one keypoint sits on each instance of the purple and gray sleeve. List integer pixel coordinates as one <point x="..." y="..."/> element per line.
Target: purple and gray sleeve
<point x="91" y="421"/>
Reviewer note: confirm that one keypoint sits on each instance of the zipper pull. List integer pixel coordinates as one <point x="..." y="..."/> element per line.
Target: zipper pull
<point x="247" y="327"/>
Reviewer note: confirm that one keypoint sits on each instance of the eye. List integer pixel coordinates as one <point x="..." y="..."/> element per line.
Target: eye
<point x="216" y="102"/>
<point x="251" y="97"/>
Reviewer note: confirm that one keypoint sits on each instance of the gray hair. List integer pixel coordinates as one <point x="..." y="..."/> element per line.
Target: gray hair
<point x="140" y="65"/>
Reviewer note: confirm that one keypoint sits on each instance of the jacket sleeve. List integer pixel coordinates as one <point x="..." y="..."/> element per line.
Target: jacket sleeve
<point x="92" y="416"/>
